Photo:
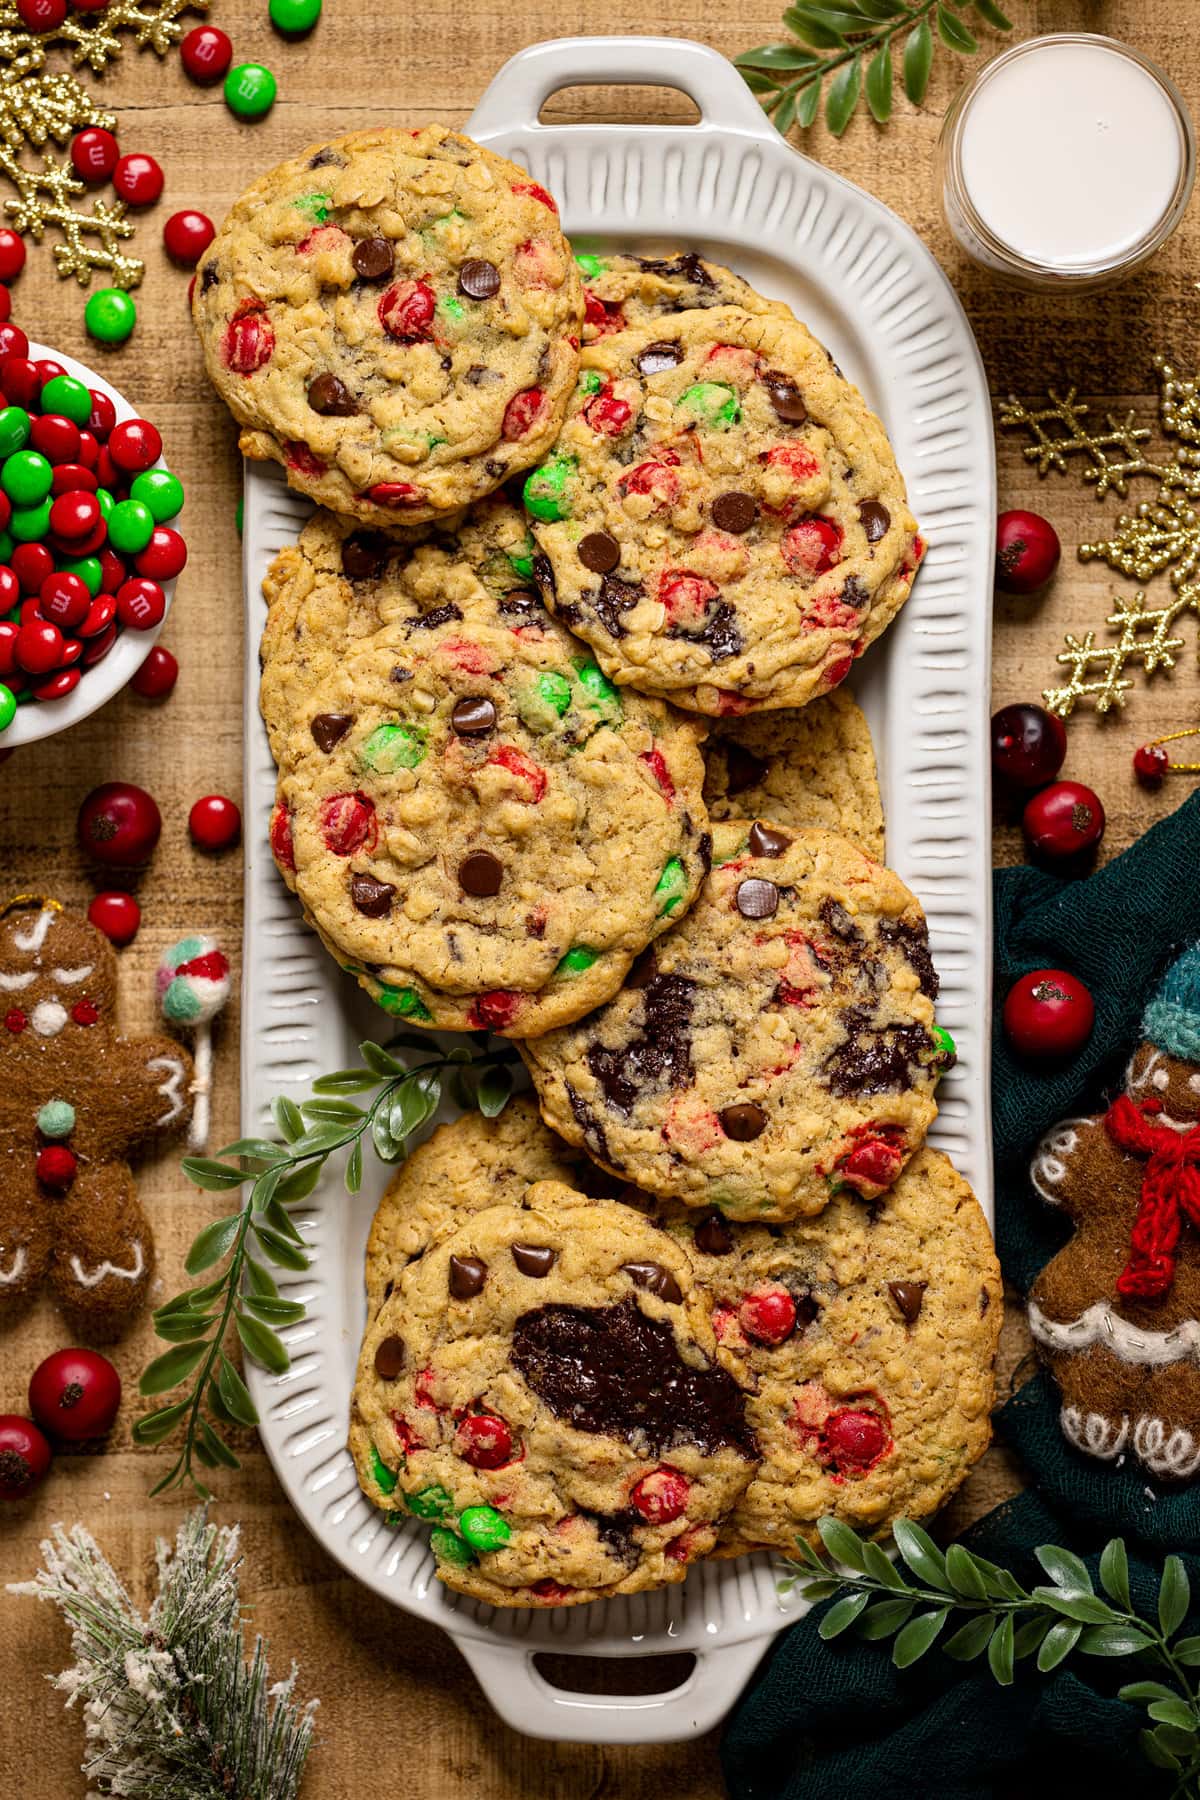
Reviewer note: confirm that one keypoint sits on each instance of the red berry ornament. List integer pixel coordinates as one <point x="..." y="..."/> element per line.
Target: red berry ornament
<point x="187" y="236"/>
<point x="206" y="54"/>
<point x="42" y="15"/>
<point x="1063" y="821"/>
<point x="75" y="1394"/>
<point x="138" y="179"/>
<point x="1048" y="1015"/>
<point x="118" y="824"/>
<point x="1028" y="745"/>
<point x="94" y="154"/>
<point x="24" y="1456"/>
<point x="214" y="823"/>
<point x="135" y="445"/>
<point x="117" y="916"/>
<point x="56" y="1167"/>
<point x="1150" y="764"/>
<point x="484" y="1441"/>
<point x="768" y="1315"/>
<point x="1027" y="552"/>
<point x="157" y="675"/>
<point x="661" y="1496"/>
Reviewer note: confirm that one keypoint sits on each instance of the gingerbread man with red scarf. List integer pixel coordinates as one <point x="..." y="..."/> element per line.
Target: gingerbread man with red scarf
<point x="1116" y="1314"/>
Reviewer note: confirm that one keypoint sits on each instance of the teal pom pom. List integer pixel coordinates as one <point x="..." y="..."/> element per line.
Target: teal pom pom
<point x="180" y="1002"/>
<point x="1172" y="1019"/>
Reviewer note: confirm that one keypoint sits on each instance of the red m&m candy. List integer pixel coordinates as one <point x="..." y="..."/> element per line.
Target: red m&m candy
<point x="138" y="179"/>
<point x="163" y="556"/>
<point x="75" y="515"/>
<point x="5" y="303"/>
<point x="56" y="437"/>
<point x="140" y="604"/>
<point x="39" y="647"/>
<point x="187" y="236"/>
<point x="135" y="445"/>
<point x="206" y="54"/>
<point x="42" y="15"/>
<point x="64" y="600"/>
<point x="13" y="341"/>
<point x="103" y="415"/>
<point x="94" y="154"/>
<point x="157" y="675"/>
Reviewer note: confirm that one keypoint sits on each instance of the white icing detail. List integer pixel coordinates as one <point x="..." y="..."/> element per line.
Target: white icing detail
<point x="35" y="937"/>
<point x="1094" y="1434"/>
<point x="70" y="976"/>
<point x="1136" y="1081"/>
<point x="1099" y="1324"/>
<point x="171" y="1089"/>
<point x="48" y="1018"/>
<point x="1166" y="1451"/>
<point x="1194" y="1083"/>
<point x="93" y="1277"/>
<point x="12" y="983"/>
<point x="1049" y="1166"/>
<point x="17" y="1268"/>
<point x="1161" y="1080"/>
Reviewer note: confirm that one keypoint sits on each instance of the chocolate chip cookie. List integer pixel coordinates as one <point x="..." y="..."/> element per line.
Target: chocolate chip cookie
<point x="394" y="316"/>
<point x="544" y="1387"/>
<point x="866" y="1339"/>
<point x="814" y="766"/>
<point x="480" y="825"/>
<point x="777" y="1045"/>
<point x="621" y="290"/>
<point x="722" y="518"/>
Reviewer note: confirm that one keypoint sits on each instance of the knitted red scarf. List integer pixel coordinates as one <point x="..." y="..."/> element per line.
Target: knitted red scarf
<point x="1170" y="1190"/>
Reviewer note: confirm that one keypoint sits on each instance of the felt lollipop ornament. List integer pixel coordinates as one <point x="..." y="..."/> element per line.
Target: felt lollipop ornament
<point x="193" y="985"/>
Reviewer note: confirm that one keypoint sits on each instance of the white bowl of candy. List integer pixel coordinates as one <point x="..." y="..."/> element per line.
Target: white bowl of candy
<point x="89" y="551"/>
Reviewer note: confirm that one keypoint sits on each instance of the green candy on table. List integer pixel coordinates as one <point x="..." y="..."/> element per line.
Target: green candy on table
<point x="430" y="1502"/>
<point x="384" y="1478"/>
<point x="484" y="1528"/>
<point x="448" y="1547"/>
<point x="294" y="17"/>
<point x="402" y="1003"/>
<point x="239" y="514"/>
<point x="250" y="91"/>
<point x="15" y="427"/>
<point x="68" y="397"/>
<point x="88" y="570"/>
<point x="578" y="958"/>
<point x="29" y="524"/>
<point x="392" y="747"/>
<point x="159" y="490"/>
<point x="589" y="266"/>
<point x="130" y="527"/>
<point x="26" y="478"/>
<point x="669" y="888"/>
<point x="545" y="490"/>
<point x="110" y="315"/>
<point x="8" y="707"/>
<point x="712" y="403"/>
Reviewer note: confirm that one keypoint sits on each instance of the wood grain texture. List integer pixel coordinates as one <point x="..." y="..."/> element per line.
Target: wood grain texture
<point x="400" y="1713"/>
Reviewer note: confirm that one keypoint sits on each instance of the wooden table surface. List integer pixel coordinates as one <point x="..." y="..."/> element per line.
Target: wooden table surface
<point x="400" y="1712"/>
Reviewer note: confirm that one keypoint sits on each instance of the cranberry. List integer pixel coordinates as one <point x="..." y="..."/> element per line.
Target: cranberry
<point x="1028" y="745"/>
<point x="24" y="1457"/>
<point x="39" y="647"/>
<point x="206" y="54"/>
<point x="406" y="310"/>
<point x="1048" y="1014"/>
<point x="768" y="1315"/>
<point x="138" y="179"/>
<point x="119" y="824"/>
<point x="854" y="1438"/>
<point x="187" y="236"/>
<point x="94" y="154"/>
<point x="117" y="916"/>
<point x="56" y="1167"/>
<point x="74" y="1394"/>
<point x="140" y="604"/>
<point x="661" y="1496"/>
<point x="64" y="599"/>
<point x="1064" y="820"/>
<point x="1150" y="763"/>
<point x="1027" y="552"/>
<point x="214" y="823"/>
<point x="484" y="1441"/>
<point x="157" y="675"/>
<point x="135" y="445"/>
<point x="164" y="556"/>
<point x="75" y="515"/>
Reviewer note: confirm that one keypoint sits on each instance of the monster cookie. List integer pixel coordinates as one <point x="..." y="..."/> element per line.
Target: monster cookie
<point x="543" y="1387"/>
<point x="74" y="1100"/>
<point x="865" y="1339"/>
<point x="777" y="1045"/>
<point x="722" y="518"/>
<point x="466" y="1165"/>
<point x="479" y="824"/>
<point x="811" y="767"/>
<point x="394" y="317"/>
<point x="622" y="291"/>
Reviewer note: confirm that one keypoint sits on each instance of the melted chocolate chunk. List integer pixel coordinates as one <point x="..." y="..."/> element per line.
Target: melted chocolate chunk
<point x="478" y="279"/>
<point x="743" y="769"/>
<point x="480" y="874"/>
<point x="543" y="574"/>
<point x="655" y="1280"/>
<point x="734" y="511"/>
<point x="876" y="1059"/>
<point x="875" y="519"/>
<point x="467" y="1276"/>
<point x="836" y="919"/>
<point x="519" y="603"/>
<point x="365" y="555"/>
<point x="909" y="1296"/>
<point x="757" y="899"/>
<point x="479" y="375"/>
<point x="400" y="674"/>
<point x="614" y="1371"/>
<point x="719" y="632"/>
<point x="437" y="615"/>
<point x="329" y="729"/>
<point x="914" y="942"/>
<point x="615" y="1531"/>
<point x="712" y="1235"/>
<point x="599" y="551"/>
<point x="373" y="258"/>
<point x="686" y="266"/>
<point x="495" y="465"/>
<point x="613" y="598"/>
<point x="743" y="1122"/>
<point x="331" y="397"/>
<point x="855" y="593"/>
<point x="389" y="1358"/>
<point x="534" y="1260"/>
<point x="655" y="359"/>
<point x="594" y="1135"/>
<point x="473" y="717"/>
<point x="766" y="842"/>
<point x="373" y="899"/>
<point x="208" y="277"/>
<point x="661" y="1055"/>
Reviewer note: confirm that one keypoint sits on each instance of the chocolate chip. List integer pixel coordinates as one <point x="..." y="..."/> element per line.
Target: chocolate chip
<point x="655" y="358"/>
<point x="644" y="969"/>
<point x="876" y="1059"/>
<point x="660" y="1055"/>
<point x="327" y="159"/>
<point x="614" y="598"/>
<point x="521" y="603"/>
<point x="655" y="1280"/>
<point x="599" y="552"/>
<point x="480" y="874"/>
<point x="686" y="266"/>
<point x="435" y="617"/>
<point x="757" y="899"/>
<point x="208" y="277"/>
<point x="473" y="717"/>
<point x="467" y="1276"/>
<point x="400" y="674"/>
<point x="743" y="769"/>
<point x="743" y="1122"/>
<point x="371" y="898"/>
<point x="734" y="511"/>
<point x="534" y="1260"/>
<point x="838" y="920"/>
<point x="785" y="397"/>
<point x="713" y="1236"/>
<point x="765" y="842"/>
<point x="331" y="397"/>
<point x="719" y="633"/>
<point x="364" y="555"/>
<point x="373" y="258"/>
<point x="543" y="574"/>
<point x="913" y="940"/>
<point x="389" y="1358"/>
<point x="329" y="729"/>
<point x="875" y="519"/>
<point x="908" y="1296"/>
<point x="478" y="279"/>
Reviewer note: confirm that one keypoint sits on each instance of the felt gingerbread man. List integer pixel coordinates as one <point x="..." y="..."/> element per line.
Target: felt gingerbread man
<point x="1116" y="1314"/>
<point x="75" y="1098"/>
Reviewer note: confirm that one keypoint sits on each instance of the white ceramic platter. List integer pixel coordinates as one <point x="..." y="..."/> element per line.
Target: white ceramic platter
<point x="731" y="188"/>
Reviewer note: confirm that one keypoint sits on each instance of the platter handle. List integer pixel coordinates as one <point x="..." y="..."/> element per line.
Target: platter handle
<point x="516" y="94"/>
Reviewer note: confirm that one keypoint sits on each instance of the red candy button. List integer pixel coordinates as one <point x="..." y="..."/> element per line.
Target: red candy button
<point x="855" y="1439"/>
<point x="99" y="646"/>
<point x="348" y="823"/>
<point x="42" y="15"/>
<point x="117" y="916"/>
<point x="31" y="563"/>
<point x="103" y="415"/>
<point x="187" y="236"/>
<point x="13" y="341"/>
<point x="72" y="478"/>
<point x="94" y="154"/>
<point x="138" y="179"/>
<point x="484" y="1441"/>
<point x="112" y="571"/>
<point x="661" y="1496"/>
<point x="768" y="1315"/>
<point x="58" y="686"/>
<point x="140" y="604"/>
<point x="157" y="675"/>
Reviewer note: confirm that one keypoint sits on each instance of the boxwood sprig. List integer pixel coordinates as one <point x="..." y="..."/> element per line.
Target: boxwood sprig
<point x="993" y="1614"/>
<point x="244" y="1296"/>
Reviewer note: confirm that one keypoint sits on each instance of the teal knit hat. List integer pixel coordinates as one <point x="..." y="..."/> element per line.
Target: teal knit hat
<point x="1172" y="1019"/>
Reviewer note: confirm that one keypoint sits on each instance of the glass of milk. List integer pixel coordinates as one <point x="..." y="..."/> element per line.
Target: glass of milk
<point x="1066" y="162"/>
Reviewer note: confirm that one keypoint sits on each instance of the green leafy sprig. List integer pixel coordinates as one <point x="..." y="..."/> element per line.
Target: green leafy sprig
<point x="993" y="1613"/>
<point x="244" y="1296"/>
<point x="849" y="44"/>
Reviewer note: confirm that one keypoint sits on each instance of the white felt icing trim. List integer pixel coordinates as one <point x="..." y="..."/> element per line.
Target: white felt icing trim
<point x="1132" y="1343"/>
<point x="1169" y="1451"/>
<point x="91" y="1278"/>
<point x="15" y="1269"/>
<point x="35" y="936"/>
<point x="48" y="1018"/>
<point x="1094" y="1434"/>
<point x="69" y="977"/>
<point x="171" y="1088"/>
<point x="11" y="983"/>
<point x="1049" y="1160"/>
<point x="1136" y="1081"/>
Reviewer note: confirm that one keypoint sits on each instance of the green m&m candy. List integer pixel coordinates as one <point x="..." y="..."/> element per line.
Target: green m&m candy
<point x="26" y="478"/>
<point x="590" y="382"/>
<point x="63" y="394"/>
<point x="448" y="1547"/>
<point x="589" y="266"/>
<point x="484" y="1528"/>
<point x="712" y="403"/>
<point x="8" y="707"/>
<point x="543" y="704"/>
<point x="670" y="886"/>
<point x="105" y="501"/>
<point x="430" y="1503"/>
<point x="600" y="691"/>
<point x="15" y="426"/>
<point x="88" y="570"/>
<point x="522" y="565"/>
<point x="109" y="316"/>
<point x="294" y="17"/>
<point x="130" y="527"/>
<point x="250" y="91"/>
<point x="384" y="1478"/>
<point x="546" y="489"/>
<point x="159" y="490"/>
<point x="947" y="1050"/>
<point x="391" y="747"/>
<point x="578" y="958"/>
<point x="403" y="1003"/>
<point x="29" y="524"/>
